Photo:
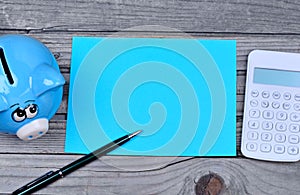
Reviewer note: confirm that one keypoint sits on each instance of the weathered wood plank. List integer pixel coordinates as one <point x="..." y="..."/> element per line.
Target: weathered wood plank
<point x="144" y="175"/>
<point x="232" y="16"/>
<point x="60" y="43"/>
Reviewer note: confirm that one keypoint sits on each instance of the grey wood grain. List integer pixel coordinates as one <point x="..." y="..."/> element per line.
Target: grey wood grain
<point x="256" y="16"/>
<point x="142" y="175"/>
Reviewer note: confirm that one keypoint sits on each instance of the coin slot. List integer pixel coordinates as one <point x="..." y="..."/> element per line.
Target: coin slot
<point x="5" y="67"/>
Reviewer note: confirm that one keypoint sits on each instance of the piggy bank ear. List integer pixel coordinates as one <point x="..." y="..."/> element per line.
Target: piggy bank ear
<point x="44" y="78"/>
<point x="3" y="103"/>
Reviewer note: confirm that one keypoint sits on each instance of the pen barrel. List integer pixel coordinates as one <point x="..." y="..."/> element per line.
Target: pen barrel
<point x="38" y="183"/>
<point x="51" y="176"/>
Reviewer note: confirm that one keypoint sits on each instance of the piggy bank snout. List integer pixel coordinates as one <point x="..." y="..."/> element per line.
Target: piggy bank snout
<point x="33" y="130"/>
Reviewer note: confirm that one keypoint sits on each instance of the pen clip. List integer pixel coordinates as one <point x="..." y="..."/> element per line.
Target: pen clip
<point x="32" y="183"/>
<point x="41" y="178"/>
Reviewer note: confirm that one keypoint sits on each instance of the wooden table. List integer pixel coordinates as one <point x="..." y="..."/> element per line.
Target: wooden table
<point x="256" y="24"/>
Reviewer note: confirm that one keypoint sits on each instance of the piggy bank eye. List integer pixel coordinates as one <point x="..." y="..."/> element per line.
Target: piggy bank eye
<point x="19" y="115"/>
<point x="31" y="110"/>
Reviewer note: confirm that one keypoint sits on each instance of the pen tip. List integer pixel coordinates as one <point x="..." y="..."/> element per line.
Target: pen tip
<point x="135" y="133"/>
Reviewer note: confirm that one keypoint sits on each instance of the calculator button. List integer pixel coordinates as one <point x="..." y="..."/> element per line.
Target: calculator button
<point x="254" y="113"/>
<point x="279" y="149"/>
<point x="297" y="97"/>
<point x="287" y="96"/>
<point x="280" y="138"/>
<point x="294" y="128"/>
<point x="276" y="95"/>
<point x="266" y="125"/>
<point x="286" y="106"/>
<point x="275" y="105"/>
<point x="267" y="114"/>
<point x="254" y="93"/>
<point x="280" y="126"/>
<point x="282" y="116"/>
<point x="297" y="107"/>
<point x="266" y="137"/>
<point x="294" y="139"/>
<point x="252" y="135"/>
<point x="253" y="124"/>
<point x="265" y="94"/>
<point x="265" y="104"/>
<point x="254" y="103"/>
<point x="265" y="147"/>
<point x="293" y="150"/>
<point x="251" y="146"/>
<point x="295" y="117"/>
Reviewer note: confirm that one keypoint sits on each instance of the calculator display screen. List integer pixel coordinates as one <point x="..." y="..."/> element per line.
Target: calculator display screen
<point x="276" y="77"/>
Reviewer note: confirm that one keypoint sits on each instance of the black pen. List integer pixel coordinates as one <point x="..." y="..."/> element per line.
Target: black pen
<point x="52" y="176"/>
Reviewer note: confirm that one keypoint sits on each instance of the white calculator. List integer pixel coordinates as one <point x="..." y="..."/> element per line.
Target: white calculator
<point x="271" y="124"/>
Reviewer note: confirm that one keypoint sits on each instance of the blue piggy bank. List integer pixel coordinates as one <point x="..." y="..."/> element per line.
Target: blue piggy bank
<point x="31" y="86"/>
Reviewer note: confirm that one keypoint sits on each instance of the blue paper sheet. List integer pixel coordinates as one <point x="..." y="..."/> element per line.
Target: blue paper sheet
<point x="180" y="92"/>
